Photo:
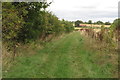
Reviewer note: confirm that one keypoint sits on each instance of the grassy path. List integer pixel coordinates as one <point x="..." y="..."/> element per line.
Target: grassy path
<point x="64" y="58"/>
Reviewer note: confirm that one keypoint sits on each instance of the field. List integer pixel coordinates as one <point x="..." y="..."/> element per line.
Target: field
<point x="95" y="25"/>
<point x="71" y="56"/>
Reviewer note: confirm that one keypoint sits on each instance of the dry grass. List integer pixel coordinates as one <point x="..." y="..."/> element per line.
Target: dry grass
<point x="6" y="58"/>
<point x="106" y="53"/>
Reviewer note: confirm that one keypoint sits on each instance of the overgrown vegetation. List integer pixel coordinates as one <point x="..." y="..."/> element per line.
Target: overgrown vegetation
<point x="27" y="22"/>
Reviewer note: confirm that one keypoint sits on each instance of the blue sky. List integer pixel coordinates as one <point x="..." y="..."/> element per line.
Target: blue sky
<point x="72" y="10"/>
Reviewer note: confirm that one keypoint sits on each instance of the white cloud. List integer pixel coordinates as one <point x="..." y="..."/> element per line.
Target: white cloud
<point x="106" y="10"/>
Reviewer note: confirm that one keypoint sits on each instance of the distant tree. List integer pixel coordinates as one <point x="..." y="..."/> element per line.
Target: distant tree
<point x="78" y="22"/>
<point x="85" y="22"/>
<point x="99" y="22"/>
<point x="107" y="23"/>
<point x="63" y="20"/>
<point x="90" y="22"/>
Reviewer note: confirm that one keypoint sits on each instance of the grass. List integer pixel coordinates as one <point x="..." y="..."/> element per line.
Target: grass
<point x="68" y="57"/>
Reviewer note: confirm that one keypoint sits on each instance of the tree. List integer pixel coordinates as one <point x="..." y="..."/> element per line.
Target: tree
<point x="107" y="23"/>
<point x="99" y="22"/>
<point x="90" y="22"/>
<point x="116" y="24"/>
<point x="78" y="22"/>
<point x="35" y="21"/>
<point x="115" y="29"/>
<point x="68" y="26"/>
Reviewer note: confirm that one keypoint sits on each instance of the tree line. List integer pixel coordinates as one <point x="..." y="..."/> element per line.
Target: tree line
<point x="91" y="22"/>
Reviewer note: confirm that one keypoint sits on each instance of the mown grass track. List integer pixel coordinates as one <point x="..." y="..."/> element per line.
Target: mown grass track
<point x="67" y="57"/>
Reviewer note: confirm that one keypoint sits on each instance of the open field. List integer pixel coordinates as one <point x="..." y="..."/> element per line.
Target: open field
<point x="95" y="25"/>
<point x="72" y="56"/>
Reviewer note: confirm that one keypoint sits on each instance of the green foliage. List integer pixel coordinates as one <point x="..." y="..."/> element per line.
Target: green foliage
<point x="27" y="22"/>
<point x="107" y="23"/>
<point x="78" y="22"/>
<point x="68" y="26"/>
<point x="102" y="28"/>
<point x="12" y="23"/>
<point x="90" y="22"/>
<point x="115" y="28"/>
<point x="99" y="22"/>
<point x="116" y="24"/>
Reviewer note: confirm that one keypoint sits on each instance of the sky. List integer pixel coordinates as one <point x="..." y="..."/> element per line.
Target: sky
<point x="95" y="10"/>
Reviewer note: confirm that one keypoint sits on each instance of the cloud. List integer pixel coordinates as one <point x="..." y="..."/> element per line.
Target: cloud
<point x="105" y="10"/>
<point x="88" y="7"/>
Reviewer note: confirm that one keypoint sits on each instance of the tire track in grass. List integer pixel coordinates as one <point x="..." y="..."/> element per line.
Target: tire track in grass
<point x="48" y="67"/>
<point x="63" y="69"/>
<point x="81" y="64"/>
<point x="78" y="66"/>
<point x="75" y="57"/>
